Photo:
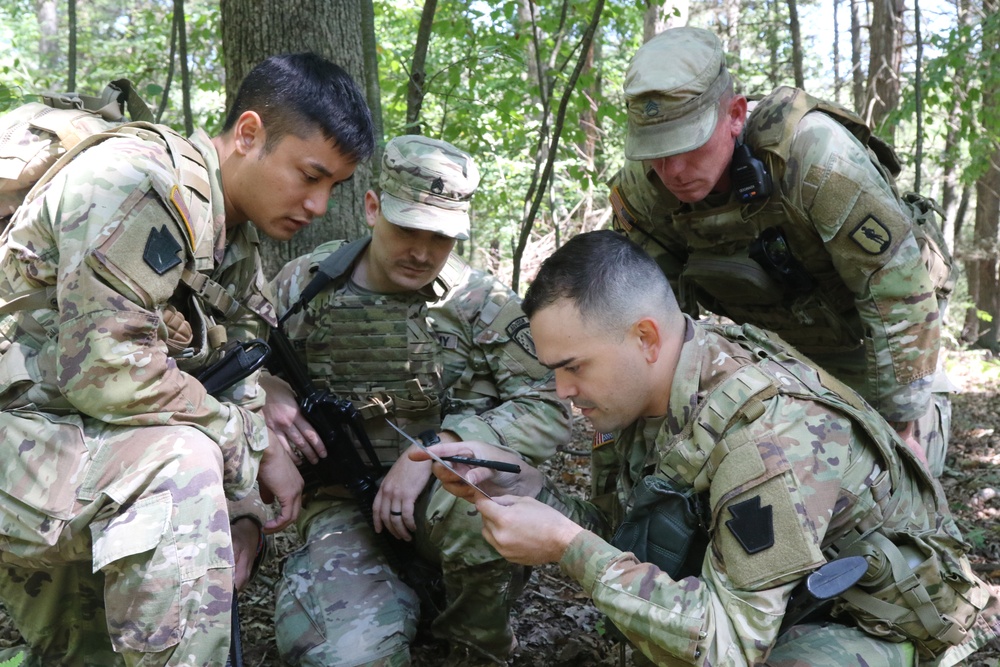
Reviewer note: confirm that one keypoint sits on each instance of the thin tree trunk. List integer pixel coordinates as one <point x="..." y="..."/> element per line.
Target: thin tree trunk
<point x="837" y="83"/>
<point x="182" y="53"/>
<point x="418" y="73"/>
<point x="171" y="64"/>
<point x="48" y="36"/>
<point x="857" y="74"/>
<point x="71" y="55"/>
<point x="918" y="91"/>
<point x="793" y="25"/>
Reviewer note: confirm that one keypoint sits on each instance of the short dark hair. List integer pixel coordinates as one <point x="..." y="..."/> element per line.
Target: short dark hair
<point x="610" y="280"/>
<point x="294" y="93"/>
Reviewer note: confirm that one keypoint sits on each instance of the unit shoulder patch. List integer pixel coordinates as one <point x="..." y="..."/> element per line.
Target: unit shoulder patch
<point x="752" y="525"/>
<point x="160" y="253"/>
<point x="520" y="332"/>
<point x="872" y="236"/>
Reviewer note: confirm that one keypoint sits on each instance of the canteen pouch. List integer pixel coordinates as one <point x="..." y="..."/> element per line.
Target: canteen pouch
<point x="664" y="527"/>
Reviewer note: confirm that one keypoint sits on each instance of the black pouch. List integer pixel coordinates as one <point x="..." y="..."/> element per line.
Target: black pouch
<point x="665" y="528"/>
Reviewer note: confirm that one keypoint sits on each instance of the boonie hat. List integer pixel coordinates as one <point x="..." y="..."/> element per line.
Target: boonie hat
<point x="672" y="91"/>
<point x="427" y="184"/>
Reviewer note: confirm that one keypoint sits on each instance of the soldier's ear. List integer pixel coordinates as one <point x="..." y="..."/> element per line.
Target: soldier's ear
<point x="247" y="129"/>
<point x="648" y="337"/>
<point x="373" y="208"/>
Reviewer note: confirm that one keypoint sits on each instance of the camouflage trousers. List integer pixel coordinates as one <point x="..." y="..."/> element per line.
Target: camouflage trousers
<point x="114" y="542"/>
<point x="340" y="603"/>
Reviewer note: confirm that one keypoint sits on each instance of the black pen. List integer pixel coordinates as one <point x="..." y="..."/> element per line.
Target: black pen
<point x="483" y="463"/>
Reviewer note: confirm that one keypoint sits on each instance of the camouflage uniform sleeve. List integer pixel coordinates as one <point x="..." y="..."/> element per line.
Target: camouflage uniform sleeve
<point x="286" y="288"/>
<point x="496" y="390"/>
<point x="871" y="242"/>
<point x="112" y="360"/>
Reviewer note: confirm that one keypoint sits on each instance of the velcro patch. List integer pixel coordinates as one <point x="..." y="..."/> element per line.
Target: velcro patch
<point x="601" y="439"/>
<point x="752" y="525"/>
<point x="520" y="332"/>
<point x="447" y="341"/>
<point x="160" y="253"/>
<point x="872" y="236"/>
<point x="624" y="218"/>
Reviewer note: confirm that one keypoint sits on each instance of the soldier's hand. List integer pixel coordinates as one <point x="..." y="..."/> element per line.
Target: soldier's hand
<point x="526" y="531"/>
<point x="279" y="479"/>
<point x="246" y="538"/>
<point x="283" y="417"/>
<point x="526" y="483"/>
<point x="397" y="496"/>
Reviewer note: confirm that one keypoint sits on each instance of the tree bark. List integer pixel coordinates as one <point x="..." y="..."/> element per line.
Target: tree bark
<point x="48" y="35"/>
<point x="886" y="49"/>
<point x="857" y="74"/>
<point x="182" y="53"/>
<point x="71" y="55"/>
<point x="255" y="29"/>
<point x="660" y="16"/>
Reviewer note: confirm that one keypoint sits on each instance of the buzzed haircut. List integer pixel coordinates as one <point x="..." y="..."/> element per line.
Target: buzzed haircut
<point x="299" y="92"/>
<point x="611" y="281"/>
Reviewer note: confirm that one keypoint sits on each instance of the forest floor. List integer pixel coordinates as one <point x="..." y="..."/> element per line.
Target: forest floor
<point x="556" y="624"/>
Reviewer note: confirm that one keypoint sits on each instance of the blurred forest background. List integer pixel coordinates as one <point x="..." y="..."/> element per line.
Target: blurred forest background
<point x="533" y="90"/>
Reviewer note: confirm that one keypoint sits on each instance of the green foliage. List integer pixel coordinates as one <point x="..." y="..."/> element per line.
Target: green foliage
<point x="13" y="662"/>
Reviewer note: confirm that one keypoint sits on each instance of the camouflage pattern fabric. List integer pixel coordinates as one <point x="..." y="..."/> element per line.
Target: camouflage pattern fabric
<point x="871" y="318"/>
<point x="494" y="390"/>
<point x="119" y="464"/>
<point x="785" y="479"/>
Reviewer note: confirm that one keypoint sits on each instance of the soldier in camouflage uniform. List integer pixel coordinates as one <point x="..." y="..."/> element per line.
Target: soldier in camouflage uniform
<point x="778" y="466"/>
<point x="125" y="276"/>
<point x="831" y="258"/>
<point x="409" y="333"/>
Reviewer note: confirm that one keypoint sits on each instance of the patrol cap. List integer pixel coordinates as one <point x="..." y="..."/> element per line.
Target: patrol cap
<point x="427" y="184"/>
<point x="672" y="90"/>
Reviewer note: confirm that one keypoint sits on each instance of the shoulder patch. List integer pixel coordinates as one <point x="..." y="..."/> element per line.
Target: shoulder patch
<point x="160" y="253"/>
<point x="520" y="333"/>
<point x="872" y="236"/>
<point x="752" y="525"/>
<point x="601" y="439"/>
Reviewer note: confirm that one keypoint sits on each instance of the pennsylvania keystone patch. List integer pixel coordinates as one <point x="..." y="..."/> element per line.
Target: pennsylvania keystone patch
<point x="872" y="236"/>
<point x="161" y="250"/>
<point x="752" y="525"/>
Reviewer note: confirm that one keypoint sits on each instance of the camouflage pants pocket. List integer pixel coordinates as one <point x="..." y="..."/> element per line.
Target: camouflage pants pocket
<point x="45" y="459"/>
<point x="135" y="549"/>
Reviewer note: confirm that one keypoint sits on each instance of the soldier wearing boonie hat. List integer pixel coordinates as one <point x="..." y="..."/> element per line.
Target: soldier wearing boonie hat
<point x="427" y="184"/>
<point x="787" y="218"/>
<point x="410" y="333"/>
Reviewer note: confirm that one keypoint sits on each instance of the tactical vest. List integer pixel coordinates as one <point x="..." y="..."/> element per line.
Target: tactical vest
<point x="809" y="306"/>
<point x="30" y="319"/>
<point x="378" y="351"/>
<point x="919" y="586"/>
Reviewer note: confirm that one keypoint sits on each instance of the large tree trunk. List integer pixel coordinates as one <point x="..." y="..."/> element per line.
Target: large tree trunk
<point x="793" y="26"/>
<point x="886" y="47"/>
<point x="252" y="30"/>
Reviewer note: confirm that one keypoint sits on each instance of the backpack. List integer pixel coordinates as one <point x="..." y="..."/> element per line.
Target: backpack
<point x="36" y="135"/>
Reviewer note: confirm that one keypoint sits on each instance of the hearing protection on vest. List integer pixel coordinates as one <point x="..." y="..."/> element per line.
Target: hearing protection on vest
<point x="749" y="175"/>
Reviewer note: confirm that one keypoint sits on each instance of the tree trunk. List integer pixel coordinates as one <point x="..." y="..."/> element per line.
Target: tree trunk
<point x="71" y="55"/>
<point x="660" y="16"/>
<point x="837" y="83"/>
<point x="857" y="74"/>
<point x="252" y="30"/>
<point x="918" y="93"/>
<point x="886" y="49"/>
<point x="793" y="26"/>
<point x="418" y="74"/>
<point x="182" y="54"/>
<point x="48" y="36"/>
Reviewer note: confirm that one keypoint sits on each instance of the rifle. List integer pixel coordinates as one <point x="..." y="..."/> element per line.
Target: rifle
<point x="340" y="426"/>
<point x="237" y="362"/>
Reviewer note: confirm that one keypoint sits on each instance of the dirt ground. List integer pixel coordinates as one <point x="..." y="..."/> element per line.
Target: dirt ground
<point x="555" y="623"/>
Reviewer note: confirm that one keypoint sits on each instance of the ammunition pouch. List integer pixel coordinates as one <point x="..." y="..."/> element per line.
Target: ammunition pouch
<point x="665" y="527"/>
<point x="917" y="588"/>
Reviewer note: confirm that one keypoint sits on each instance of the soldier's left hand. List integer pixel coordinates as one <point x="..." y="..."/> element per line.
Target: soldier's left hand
<point x="397" y="496"/>
<point x="246" y="538"/>
<point x="280" y="479"/>
<point x="524" y="530"/>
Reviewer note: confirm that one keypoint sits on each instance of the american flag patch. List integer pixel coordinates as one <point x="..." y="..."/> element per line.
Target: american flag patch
<point x="601" y="439"/>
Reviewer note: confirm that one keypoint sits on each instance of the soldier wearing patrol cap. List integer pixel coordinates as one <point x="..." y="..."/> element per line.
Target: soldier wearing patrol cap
<point x="129" y="273"/>
<point x="411" y="334"/>
<point x="788" y="219"/>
